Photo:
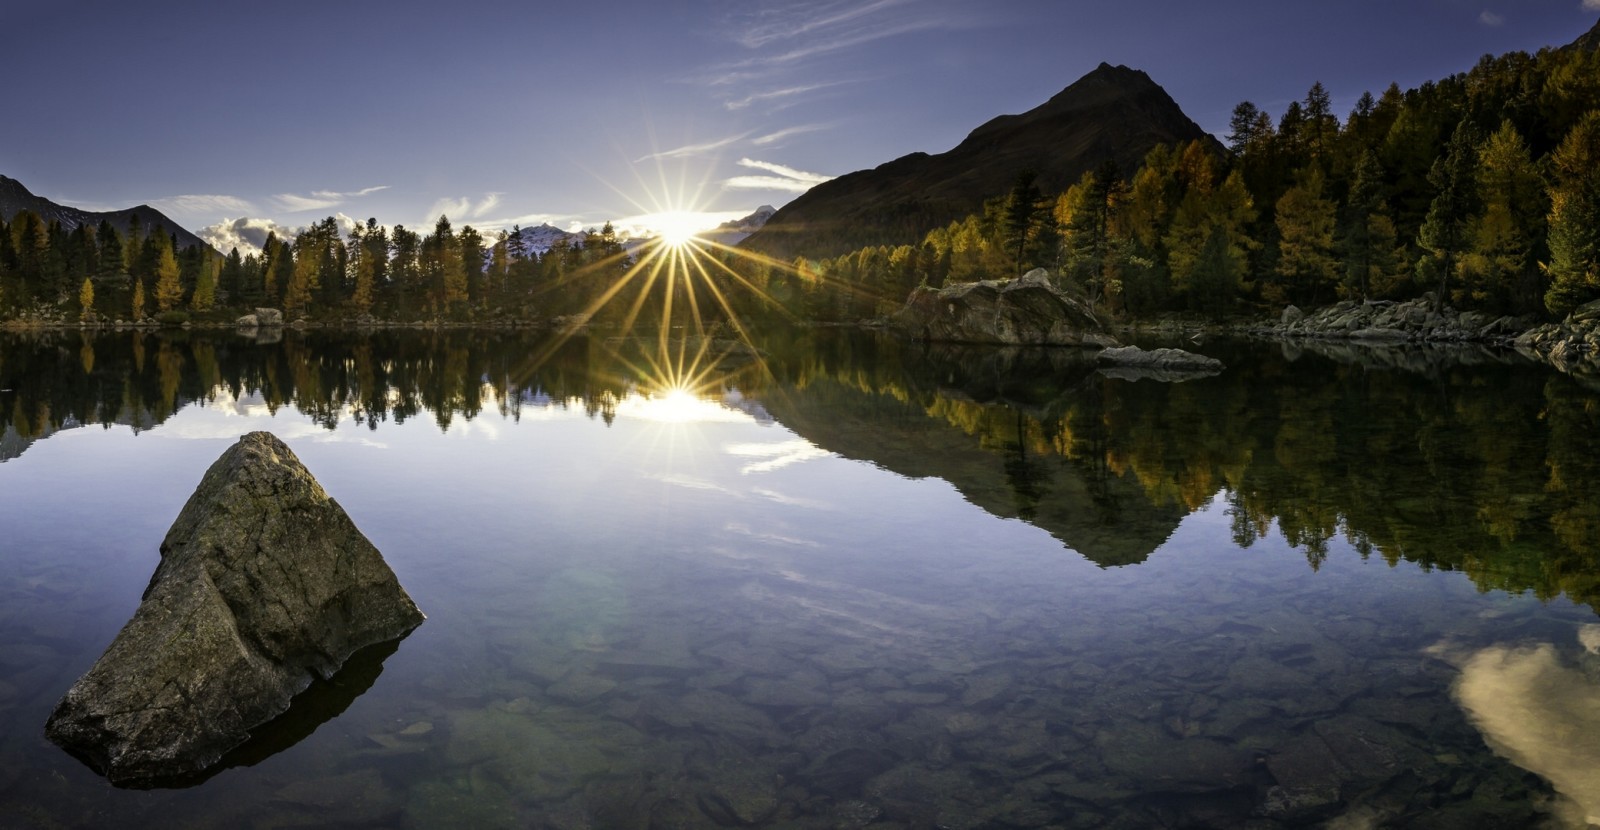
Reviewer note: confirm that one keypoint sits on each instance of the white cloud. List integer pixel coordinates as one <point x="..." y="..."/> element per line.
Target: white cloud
<point x="810" y="29"/>
<point x="246" y="234"/>
<point x="202" y="204"/>
<point x="782" y="134"/>
<point x="693" y="149"/>
<point x="1592" y="5"/>
<point x="784" y="178"/>
<point x="320" y="199"/>
<point x="1489" y="18"/>
<point x="775" y="94"/>
<point x="778" y="454"/>
<point x="797" y="19"/>
<point x="464" y="208"/>
<point x="249" y="234"/>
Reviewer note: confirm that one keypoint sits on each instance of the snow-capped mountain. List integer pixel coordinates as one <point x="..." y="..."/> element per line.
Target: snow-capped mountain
<point x="541" y="238"/>
<point x="731" y="233"/>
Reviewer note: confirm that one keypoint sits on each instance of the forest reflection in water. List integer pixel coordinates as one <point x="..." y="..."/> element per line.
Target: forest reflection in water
<point x="1488" y="468"/>
<point x="717" y="663"/>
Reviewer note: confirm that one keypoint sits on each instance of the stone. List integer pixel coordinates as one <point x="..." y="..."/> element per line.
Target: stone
<point x="1585" y="313"/>
<point x="1291" y="315"/>
<point x="264" y="584"/>
<point x="269" y="317"/>
<point x="1027" y="311"/>
<point x="248" y="321"/>
<point x="1168" y="365"/>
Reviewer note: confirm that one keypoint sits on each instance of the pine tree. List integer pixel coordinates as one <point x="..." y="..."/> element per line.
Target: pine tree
<point x="1500" y="269"/>
<point x="138" y="300"/>
<point x="169" y="290"/>
<point x="1444" y="233"/>
<point x="1368" y="241"/>
<point x="1305" y="222"/>
<point x="205" y="286"/>
<point x="1575" y="218"/>
<point x="1242" y="127"/>
<point x="86" y="298"/>
<point x="1088" y="215"/>
<point x="1022" y="210"/>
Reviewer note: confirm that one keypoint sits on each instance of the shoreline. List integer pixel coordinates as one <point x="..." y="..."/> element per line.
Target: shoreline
<point x="1571" y="345"/>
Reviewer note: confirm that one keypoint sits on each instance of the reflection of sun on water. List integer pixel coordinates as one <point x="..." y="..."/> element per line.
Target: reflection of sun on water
<point x="676" y="406"/>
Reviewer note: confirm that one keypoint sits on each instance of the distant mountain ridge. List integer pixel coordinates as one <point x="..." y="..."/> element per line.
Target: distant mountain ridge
<point x="1113" y="113"/>
<point x="15" y="198"/>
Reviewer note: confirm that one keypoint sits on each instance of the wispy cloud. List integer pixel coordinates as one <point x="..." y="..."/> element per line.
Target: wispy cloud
<point x="694" y="149"/>
<point x="320" y="199"/>
<point x="795" y="19"/>
<point x="777" y="94"/>
<point x="202" y="204"/>
<point x="464" y="207"/>
<point x="782" y="177"/>
<point x="774" y="137"/>
<point x="1489" y="18"/>
<point x="809" y="29"/>
<point x="1592" y="5"/>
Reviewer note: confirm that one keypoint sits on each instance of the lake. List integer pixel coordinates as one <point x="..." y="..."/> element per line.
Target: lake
<point x="848" y="582"/>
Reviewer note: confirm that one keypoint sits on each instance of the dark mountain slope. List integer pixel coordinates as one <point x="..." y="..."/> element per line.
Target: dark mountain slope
<point x="1113" y="113"/>
<point x="14" y="198"/>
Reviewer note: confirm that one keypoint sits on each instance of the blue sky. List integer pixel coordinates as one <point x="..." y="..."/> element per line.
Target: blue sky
<point x="501" y="113"/>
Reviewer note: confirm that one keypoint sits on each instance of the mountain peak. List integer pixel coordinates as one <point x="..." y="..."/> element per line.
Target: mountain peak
<point x="15" y="198"/>
<point x="1113" y="113"/>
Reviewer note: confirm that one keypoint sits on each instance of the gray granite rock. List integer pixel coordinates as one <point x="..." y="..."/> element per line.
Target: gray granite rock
<point x="1027" y="311"/>
<point x="264" y="583"/>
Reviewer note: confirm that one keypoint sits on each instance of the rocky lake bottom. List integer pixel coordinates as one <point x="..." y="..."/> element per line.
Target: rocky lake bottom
<point x="867" y="586"/>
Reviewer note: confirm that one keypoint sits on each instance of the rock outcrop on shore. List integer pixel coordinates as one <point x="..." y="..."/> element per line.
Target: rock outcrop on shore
<point x="1027" y="311"/>
<point x="1572" y="345"/>
<point x="264" y="583"/>
<point x="1382" y="320"/>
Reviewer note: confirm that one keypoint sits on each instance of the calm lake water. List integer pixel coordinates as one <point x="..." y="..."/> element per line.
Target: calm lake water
<point x="857" y="583"/>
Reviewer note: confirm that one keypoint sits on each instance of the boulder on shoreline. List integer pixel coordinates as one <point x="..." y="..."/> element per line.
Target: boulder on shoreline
<point x="1027" y="311"/>
<point x="264" y="583"/>
<point x="1572" y="345"/>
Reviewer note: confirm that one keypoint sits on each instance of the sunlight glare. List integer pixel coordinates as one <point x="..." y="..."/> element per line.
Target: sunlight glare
<point x="678" y="228"/>
<point x="677" y="406"/>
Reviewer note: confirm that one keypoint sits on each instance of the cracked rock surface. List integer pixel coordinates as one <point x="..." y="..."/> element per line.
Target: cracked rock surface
<point x="264" y="583"/>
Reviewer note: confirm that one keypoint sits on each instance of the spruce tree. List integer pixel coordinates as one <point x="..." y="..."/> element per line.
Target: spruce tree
<point x="1575" y="218"/>
<point x="1444" y="232"/>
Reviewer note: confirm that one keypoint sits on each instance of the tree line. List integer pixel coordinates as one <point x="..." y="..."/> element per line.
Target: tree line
<point x="48" y="271"/>
<point x="1482" y="188"/>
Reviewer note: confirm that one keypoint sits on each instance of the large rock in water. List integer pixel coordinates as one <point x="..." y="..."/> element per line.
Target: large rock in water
<point x="1027" y="311"/>
<point x="264" y="582"/>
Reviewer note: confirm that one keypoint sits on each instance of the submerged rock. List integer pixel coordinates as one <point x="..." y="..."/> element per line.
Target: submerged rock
<point x="1027" y="311"/>
<point x="264" y="584"/>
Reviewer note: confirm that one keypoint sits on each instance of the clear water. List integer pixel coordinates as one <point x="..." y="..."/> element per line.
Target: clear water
<point x="854" y="583"/>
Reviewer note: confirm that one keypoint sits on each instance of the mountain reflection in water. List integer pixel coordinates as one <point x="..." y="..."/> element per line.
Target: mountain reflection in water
<point x="683" y="658"/>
